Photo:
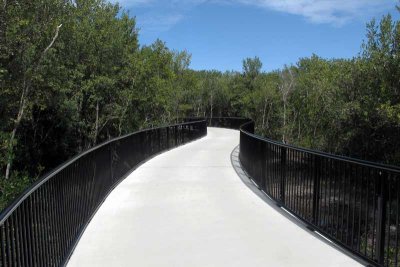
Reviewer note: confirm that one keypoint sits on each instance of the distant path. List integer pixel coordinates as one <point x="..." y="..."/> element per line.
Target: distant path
<point x="188" y="207"/>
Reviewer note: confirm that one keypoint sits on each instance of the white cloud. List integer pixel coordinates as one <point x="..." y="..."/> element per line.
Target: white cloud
<point x="164" y="14"/>
<point x="335" y="12"/>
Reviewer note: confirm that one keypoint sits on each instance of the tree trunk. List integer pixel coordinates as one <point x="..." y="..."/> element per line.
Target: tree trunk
<point x="299" y="131"/>
<point x="121" y="118"/>
<point x="268" y="115"/>
<point x="263" y="116"/>
<point x="212" y="106"/>
<point x="21" y="111"/>
<point x="284" y="122"/>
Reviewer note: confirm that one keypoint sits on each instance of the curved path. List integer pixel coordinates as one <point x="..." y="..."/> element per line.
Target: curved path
<point x="188" y="207"/>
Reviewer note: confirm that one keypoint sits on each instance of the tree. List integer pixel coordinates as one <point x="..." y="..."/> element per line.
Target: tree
<point x="26" y="43"/>
<point x="251" y="69"/>
<point x="286" y="87"/>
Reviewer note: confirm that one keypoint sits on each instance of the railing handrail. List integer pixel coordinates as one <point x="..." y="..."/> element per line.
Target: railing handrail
<point x="6" y="212"/>
<point x="366" y="163"/>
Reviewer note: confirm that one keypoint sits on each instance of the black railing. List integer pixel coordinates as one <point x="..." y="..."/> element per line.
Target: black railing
<point x="352" y="202"/>
<point x="42" y="227"/>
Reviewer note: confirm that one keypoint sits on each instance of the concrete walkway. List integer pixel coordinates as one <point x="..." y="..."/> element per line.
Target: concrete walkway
<point x="188" y="207"/>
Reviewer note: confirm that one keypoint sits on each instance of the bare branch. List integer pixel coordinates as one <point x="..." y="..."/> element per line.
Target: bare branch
<point x="51" y="43"/>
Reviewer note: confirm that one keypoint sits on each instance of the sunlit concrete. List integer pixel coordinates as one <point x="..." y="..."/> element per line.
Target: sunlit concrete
<point x="188" y="207"/>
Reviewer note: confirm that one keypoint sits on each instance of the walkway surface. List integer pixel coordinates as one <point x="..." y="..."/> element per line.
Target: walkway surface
<point x="188" y="207"/>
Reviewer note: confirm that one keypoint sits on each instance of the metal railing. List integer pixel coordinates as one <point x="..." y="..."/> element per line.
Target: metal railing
<point x="352" y="202"/>
<point x="42" y="227"/>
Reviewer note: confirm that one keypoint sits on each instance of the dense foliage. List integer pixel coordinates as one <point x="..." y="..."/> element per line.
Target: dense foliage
<point x="72" y="75"/>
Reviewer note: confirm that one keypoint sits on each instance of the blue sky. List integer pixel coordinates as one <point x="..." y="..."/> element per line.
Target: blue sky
<point x="221" y="33"/>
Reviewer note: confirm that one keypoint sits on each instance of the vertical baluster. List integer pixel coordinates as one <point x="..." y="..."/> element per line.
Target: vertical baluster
<point x="277" y="179"/>
<point x="9" y="242"/>
<point x="316" y="190"/>
<point x="38" y="231"/>
<point x="273" y="176"/>
<point x="291" y="178"/>
<point x="352" y="203"/>
<point x="21" y="237"/>
<point x="338" y="186"/>
<point x="3" y="245"/>
<point x="329" y="196"/>
<point x="396" y="250"/>
<point x="367" y="179"/>
<point x="388" y="193"/>
<point x="343" y="204"/>
<point x="55" y="222"/>
<point x="68" y="204"/>
<point x="309" y="187"/>
<point x="324" y="190"/>
<point x="44" y="225"/>
<point x="348" y="205"/>
<point x="374" y="179"/>
<point x="298" y="181"/>
<point x="328" y="185"/>
<point x="48" y="223"/>
<point x="354" y="206"/>
<point x="270" y="169"/>
<point x="17" y="239"/>
<point x="263" y="162"/>
<point x="360" y="182"/>
<point x="302" y="185"/>
<point x="25" y="212"/>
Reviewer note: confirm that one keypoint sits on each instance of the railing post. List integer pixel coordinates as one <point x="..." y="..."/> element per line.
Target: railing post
<point x="316" y="191"/>
<point x="283" y="174"/>
<point x="176" y="135"/>
<point x="263" y="167"/>
<point x="381" y="218"/>
<point x="168" y="138"/>
<point x="159" y="139"/>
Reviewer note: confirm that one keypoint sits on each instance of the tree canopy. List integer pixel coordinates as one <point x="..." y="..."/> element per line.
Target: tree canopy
<point x="73" y="74"/>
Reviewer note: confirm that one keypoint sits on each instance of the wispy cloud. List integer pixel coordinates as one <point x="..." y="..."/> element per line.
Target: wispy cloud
<point x="336" y="12"/>
<point x="159" y="22"/>
<point x="132" y="3"/>
<point x="163" y="15"/>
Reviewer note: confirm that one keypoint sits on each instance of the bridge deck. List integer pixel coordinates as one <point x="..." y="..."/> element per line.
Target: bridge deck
<point x="188" y="207"/>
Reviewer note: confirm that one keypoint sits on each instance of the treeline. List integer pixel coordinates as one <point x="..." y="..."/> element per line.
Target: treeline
<point x="72" y="75"/>
<point x="348" y="107"/>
